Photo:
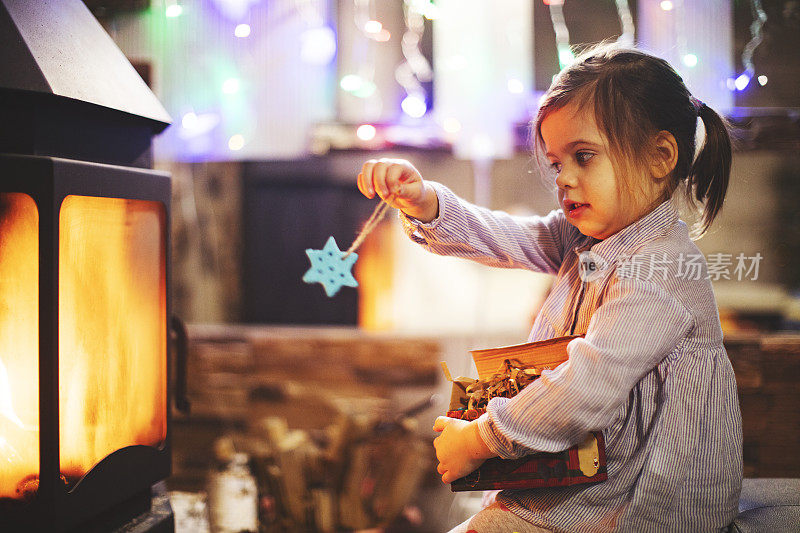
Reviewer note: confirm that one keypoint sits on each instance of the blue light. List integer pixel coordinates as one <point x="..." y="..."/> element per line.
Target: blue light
<point x="414" y="106"/>
<point x="318" y="46"/>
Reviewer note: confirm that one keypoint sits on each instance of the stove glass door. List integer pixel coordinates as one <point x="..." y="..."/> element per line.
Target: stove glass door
<point x="19" y="346"/>
<point x="112" y="329"/>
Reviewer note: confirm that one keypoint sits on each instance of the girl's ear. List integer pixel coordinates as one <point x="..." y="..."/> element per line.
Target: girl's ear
<point x="665" y="155"/>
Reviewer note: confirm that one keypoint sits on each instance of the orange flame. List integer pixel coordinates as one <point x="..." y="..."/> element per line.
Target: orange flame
<point x="112" y="333"/>
<point x="112" y="328"/>
<point x="19" y="341"/>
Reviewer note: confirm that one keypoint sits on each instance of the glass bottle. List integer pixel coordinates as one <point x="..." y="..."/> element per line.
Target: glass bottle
<point x="233" y="498"/>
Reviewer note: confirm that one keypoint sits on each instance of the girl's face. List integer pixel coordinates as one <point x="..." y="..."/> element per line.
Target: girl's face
<point x="589" y="192"/>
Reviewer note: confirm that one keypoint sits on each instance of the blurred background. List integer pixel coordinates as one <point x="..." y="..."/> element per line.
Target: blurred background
<point x="275" y="106"/>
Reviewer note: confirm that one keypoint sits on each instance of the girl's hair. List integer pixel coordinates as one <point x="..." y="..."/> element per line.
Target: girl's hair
<point x="634" y="96"/>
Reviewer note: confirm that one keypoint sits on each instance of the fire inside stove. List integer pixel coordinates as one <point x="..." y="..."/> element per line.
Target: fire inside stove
<point x="112" y="334"/>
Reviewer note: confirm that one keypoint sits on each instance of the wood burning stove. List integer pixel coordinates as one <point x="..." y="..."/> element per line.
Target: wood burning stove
<point x="84" y="276"/>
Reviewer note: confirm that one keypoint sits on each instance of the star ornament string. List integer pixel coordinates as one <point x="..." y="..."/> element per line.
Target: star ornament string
<point x="331" y="267"/>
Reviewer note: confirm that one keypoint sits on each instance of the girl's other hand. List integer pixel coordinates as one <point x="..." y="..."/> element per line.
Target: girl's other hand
<point x="401" y="185"/>
<point x="459" y="449"/>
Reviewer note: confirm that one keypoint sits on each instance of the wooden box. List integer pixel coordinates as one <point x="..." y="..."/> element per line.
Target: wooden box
<point x="504" y="372"/>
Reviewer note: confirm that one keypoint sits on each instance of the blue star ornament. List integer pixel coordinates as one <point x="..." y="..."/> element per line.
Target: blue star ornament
<point x="331" y="268"/>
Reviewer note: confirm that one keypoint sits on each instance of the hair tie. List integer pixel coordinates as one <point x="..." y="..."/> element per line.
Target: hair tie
<point x="698" y="104"/>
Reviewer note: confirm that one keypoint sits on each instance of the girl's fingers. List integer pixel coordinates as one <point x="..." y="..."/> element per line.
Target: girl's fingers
<point x="441" y="422"/>
<point x="379" y="179"/>
<point x="367" y="182"/>
<point x="360" y="184"/>
<point x="389" y="179"/>
<point x="394" y="177"/>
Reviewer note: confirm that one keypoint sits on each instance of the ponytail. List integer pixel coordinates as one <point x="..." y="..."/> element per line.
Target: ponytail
<point x="707" y="181"/>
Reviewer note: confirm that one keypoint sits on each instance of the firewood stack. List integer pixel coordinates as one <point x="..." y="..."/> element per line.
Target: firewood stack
<point x="320" y="412"/>
<point x="357" y="473"/>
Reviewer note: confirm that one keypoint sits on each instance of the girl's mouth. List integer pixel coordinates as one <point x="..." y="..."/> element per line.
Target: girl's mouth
<point x="575" y="208"/>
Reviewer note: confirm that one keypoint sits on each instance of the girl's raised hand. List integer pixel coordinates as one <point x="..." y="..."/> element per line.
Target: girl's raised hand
<point x="398" y="183"/>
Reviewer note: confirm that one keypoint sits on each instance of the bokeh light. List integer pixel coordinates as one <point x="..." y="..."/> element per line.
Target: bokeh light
<point x="242" y="30"/>
<point x="366" y="132"/>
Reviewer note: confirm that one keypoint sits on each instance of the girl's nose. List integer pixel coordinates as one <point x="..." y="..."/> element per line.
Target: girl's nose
<point x="566" y="179"/>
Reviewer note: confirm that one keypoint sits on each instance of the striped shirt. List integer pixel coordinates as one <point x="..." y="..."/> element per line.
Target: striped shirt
<point x="651" y="372"/>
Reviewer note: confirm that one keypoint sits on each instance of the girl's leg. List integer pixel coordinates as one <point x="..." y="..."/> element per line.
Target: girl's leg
<point x="497" y="519"/>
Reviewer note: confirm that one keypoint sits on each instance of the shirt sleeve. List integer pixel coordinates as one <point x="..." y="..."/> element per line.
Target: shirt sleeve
<point x="493" y="238"/>
<point x="636" y="327"/>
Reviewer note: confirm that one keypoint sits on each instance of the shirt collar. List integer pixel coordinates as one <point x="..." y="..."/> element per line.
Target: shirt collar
<point x="646" y="228"/>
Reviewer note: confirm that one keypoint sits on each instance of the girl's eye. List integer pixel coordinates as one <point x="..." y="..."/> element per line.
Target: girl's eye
<point x="583" y="157"/>
<point x="556" y="166"/>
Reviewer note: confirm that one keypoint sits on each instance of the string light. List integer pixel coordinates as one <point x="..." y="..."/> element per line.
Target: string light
<point x="375" y="30"/>
<point x="762" y="80"/>
<point x="382" y="36"/>
<point x="361" y="84"/>
<point x="759" y="18"/>
<point x="366" y="132"/>
<point x="242" y="30"/>
<point x="681" y="40"/>
<point x="358" y="86"/>
<point x="230" y="86"/>
<point x="367" y="89"/>
<point x="174" y="10"/>
<point x="373" y="26"/>
<point x="515" y="86"/>
<point x="415" y="68"/>
<point x="233" y="9"/>
<point x="565" y="55"/>
<point x="414" y="106"/>
<point x="690" y="60"/>
<point x="318" y="40"/>
<point x="195" y="125"/>
<point x="189" y="120"/>
<point x="236" y="142"/>
<point x="426" y="8"/>
<point x="666" y="5"/>
<point x="626" y="21"/>
<point x="742" y="81"/>
<point x="350" y="82"/>
<point x="318" y="46"/>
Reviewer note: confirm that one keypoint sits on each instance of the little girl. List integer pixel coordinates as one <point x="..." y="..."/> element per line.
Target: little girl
<point x="617" y="128"/>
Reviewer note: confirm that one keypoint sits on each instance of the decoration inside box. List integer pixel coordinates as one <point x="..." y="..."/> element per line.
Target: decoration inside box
<point x="504" y="372"/>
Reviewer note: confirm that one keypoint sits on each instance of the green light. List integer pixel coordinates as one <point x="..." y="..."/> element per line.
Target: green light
<point x="366" y="89"/>
<point x="565" y="56"/>
<point x="357" y="86"/>
<point x="690" y="60"/>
